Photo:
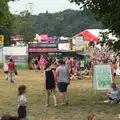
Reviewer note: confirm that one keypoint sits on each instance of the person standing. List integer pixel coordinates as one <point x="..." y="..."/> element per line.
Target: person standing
<point x="5" y="68"/>
<point x="11" y="68"/>
<point x="62" y="74"/>
<point x="22" y="100"/>
<point x="42" y="63"/>
<point x="36" y="64"/>
<point x="67" y="63"/>
<point x="49" y="84"/>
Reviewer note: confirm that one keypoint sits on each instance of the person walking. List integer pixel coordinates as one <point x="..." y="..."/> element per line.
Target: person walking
<point x="5" y="68"/>
<point x="11" y="68"/>
<point x="49" y="84"/>
<point x="62" y="74"/>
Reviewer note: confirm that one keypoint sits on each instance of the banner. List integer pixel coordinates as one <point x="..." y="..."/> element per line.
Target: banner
<point x="20" y="61"/>
<point x="102" y="77"/>
<point x="1" y="41"/>
<point x="79" y="42"/>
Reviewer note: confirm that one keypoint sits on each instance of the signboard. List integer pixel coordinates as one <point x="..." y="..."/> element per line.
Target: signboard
<point x="20" y="61"/>
<point x="64" y="46"/>
<point x="42" y="45"/>
<point x="1" y="41"/>
<point x="79" y="42"/>
<point x="43" y="50"/>
<point x="102" y="77"/>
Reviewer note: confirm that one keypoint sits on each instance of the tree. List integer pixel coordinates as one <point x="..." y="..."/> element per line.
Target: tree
<point x="108" y="12"/>
<point x="6" y="21"/>
<point x="24" y="26"/>
<point x="92" y="44"/>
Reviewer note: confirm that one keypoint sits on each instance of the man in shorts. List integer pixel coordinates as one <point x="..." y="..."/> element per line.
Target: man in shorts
<point x="62" y="74"/>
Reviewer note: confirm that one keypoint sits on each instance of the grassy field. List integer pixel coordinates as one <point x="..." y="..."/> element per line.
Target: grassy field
<point x="82" y="100"/>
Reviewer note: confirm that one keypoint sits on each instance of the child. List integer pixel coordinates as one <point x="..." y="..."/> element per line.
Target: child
<point x="113" y="94"/>
<point x="49" y="84"/>
<point x="22" y="102"/>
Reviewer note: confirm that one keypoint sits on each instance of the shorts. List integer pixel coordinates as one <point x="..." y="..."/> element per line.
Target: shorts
<point x="50" y="91"/>
<point x="62" y="87"/>
<point x="6" y="72"/>
<point x="22" y="112"/>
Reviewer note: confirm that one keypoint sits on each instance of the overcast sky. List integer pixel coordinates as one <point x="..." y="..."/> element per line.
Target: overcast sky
<point x="41" y="6"/>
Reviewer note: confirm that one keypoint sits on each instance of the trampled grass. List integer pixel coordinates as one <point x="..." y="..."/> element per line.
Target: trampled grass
<point x="83" y="101"/>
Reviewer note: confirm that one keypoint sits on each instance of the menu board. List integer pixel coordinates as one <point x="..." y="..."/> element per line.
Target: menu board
<point x="102" y="77"/>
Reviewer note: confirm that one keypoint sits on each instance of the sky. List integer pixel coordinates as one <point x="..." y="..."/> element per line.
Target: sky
<point x="41" y="6"/>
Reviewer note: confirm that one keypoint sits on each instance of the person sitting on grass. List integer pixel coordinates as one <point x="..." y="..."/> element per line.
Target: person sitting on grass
<point x="8" y="117"/>
<point x="49" y="84"/>
<point x="113" y="94"/>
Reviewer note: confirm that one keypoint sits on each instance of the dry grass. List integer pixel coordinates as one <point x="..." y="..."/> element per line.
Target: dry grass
<point x="82" y="100"/>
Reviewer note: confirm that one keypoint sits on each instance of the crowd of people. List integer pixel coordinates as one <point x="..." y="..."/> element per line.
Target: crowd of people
<point x="57" y="74"/>
<point x="74" y="64"/>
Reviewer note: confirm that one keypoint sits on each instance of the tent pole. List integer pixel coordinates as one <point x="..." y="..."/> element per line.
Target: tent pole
<point x="85" y="56"/>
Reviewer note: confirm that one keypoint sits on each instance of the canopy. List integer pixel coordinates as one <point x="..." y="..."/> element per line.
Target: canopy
<point x="88" y="36"/>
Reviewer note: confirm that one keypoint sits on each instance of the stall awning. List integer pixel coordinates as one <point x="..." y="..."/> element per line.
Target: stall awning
<point x="88" y="36"/>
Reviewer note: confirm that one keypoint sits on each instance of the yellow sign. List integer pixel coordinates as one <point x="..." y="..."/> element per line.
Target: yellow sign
<point x="1" y="39"/>
<point x="74" y="47"/>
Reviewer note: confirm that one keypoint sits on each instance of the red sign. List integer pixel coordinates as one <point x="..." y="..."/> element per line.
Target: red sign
<point x="43" y="49"/>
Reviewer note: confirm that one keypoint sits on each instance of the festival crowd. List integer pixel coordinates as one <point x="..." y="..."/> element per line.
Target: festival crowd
<point x="58" y="74"/>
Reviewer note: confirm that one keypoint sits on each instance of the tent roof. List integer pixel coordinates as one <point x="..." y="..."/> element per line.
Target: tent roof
<point x="95" y="33"/>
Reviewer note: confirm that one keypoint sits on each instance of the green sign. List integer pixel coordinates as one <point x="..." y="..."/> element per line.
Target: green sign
<point x="102" y="77"/>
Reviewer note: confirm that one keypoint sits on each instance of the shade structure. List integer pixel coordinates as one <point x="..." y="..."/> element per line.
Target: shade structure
<point x="88" y="36"/>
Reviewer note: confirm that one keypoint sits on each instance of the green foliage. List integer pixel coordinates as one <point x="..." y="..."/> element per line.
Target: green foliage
<point x="6" y="20"/>
<point x="66" y="23"/>
<point x="92" y="44"/>
<point x="24" y="26"/>
<point x="108" y="11"/>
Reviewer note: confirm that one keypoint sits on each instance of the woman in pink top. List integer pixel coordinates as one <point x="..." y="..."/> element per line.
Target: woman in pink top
<point x="42" y="63"/>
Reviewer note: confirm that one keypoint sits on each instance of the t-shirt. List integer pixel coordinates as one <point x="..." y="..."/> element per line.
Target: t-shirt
<point x="11" y="67"/>
<point x="22" y="98"/>
<point x="114" y="94"/>
<point x="42" y="62"/>
<point x="63" y="74"/>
